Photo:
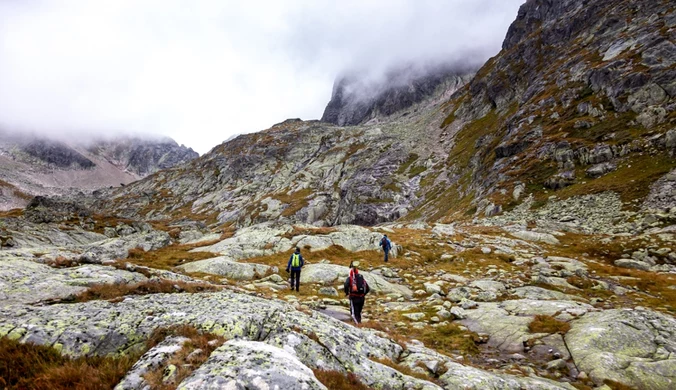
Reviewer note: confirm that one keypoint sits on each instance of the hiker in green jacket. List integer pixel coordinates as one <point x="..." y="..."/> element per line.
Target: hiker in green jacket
<point x="296" y="262"/>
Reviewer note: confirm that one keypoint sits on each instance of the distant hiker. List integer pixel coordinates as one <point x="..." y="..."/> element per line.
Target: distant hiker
<point x="386" y="244"/>
<point x="356" y="288"/>
<point x="296" y="262"/>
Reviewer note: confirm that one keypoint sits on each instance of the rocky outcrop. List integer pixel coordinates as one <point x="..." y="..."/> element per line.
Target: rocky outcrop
<point x="358" y="99"/>
<point x="566" y="94"/>
<point x="269" y="331"/>
<point x="228" y="268"/>
<point x="24" y="281"/>
<point x="270" y="238"/>
<point x="143" y="156"/>
<point x="633" y="347"/>
<point x="57" y="154"/>
<point x="237" y="364"/>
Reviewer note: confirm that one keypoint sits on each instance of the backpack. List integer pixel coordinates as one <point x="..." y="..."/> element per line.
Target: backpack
<point x="385" y="242"/>
<point x="295" y="262"/>
<point x="359" y="285"/>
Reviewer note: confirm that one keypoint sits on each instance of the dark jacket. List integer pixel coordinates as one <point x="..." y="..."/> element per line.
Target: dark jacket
<point x="386" y="244"/>
<point x="302" y="262"/>
<point x="347" y="289"/>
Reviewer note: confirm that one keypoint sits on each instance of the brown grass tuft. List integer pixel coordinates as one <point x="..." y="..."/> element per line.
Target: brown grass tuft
<point x="548" y="324"/>
<point x="402" y="368"/>
<point x="616" y="385"/>
<point x="450" y="338"/>
<point x="29" y="366"/>
<point x="335" y="380"/>
<point x="167" y="257"/>
<point x="198" y="340"/>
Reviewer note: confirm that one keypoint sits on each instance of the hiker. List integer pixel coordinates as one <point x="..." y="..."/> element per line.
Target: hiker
<point x="386" y="244"/>
<point x="296" y="262"/>
<point x="357" y="288"/>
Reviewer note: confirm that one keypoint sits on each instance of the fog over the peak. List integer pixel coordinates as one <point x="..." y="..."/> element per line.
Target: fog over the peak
<point x="201" y="71"/>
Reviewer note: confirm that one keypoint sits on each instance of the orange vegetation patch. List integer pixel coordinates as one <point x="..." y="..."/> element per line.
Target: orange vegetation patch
<point x="29" y="366"/>
<point x="335" y="380"/>
<point x="548" y="324"/>
<point x="295" y="200"/>
<point x="168" y="257"/>
<point x="402" y="368"/>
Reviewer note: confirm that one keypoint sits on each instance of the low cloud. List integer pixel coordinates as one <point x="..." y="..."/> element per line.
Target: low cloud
<point x="200" y="72"/>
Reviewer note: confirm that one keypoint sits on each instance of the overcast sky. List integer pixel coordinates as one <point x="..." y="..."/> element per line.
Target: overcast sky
<point x="200" y="71"/>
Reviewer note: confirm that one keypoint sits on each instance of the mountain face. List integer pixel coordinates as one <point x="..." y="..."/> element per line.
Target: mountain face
<point x="40" y="166"/>
<point x="579" y="102"/>
<point x="143" y="156"/>
<point x="356" y="99"/>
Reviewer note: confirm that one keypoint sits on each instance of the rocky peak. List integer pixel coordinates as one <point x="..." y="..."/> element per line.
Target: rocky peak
<point x="143" y="156"/>
<point x="57" y="154"/>
<point x="358" y="98"/>
<point x="534" y="13"/>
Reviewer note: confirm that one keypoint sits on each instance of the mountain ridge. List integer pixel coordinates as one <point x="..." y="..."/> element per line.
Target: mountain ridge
<point x="36" y="165"/>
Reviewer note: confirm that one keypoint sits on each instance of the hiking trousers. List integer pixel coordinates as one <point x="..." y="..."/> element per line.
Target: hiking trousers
<point x="295" y="278"/>
<point x="356" y="306"/>
<point x="387" y="252"/>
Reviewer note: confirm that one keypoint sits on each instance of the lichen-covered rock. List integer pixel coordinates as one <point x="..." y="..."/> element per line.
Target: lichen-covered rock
<point x="118" y="248"/>
<point x="539" y="293"/>
<point x="316" y="340"/>
<point x="507" y="322"/>
<point x="634" y="347"/>
<point x="240" y="364"/>
<point x="228" y="268"/>
<point x="24" y="281"/>
<point x="257" y="240"/>
<point x="150" y="361"/>
<point x="536" y="237"/>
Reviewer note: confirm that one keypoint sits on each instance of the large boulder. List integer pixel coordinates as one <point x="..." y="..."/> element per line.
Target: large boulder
<point x="528" y="235"/>
<point x="634" y="347"/>
<point x="351" y="237"/>
<point x="331" y="273"/>
<point x="253" y="241"/>
<point x="229" y="268"/>
<point x="241" y="364"/>
<point x="23" y="281"/>
<point x="507" y="322"/>
<point x="270" y="238"/>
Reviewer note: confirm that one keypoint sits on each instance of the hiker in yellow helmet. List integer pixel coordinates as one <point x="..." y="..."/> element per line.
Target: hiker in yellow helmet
<point x="296" y="262"/>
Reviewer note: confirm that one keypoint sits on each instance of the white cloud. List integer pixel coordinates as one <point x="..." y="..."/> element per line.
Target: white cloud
<point x="200" y="71"/>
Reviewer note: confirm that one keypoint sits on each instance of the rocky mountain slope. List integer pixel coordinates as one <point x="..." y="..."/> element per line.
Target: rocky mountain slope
<point x="33" y="165"/>
<point x="357" y="98"/>
<point x="568" y="108"/>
